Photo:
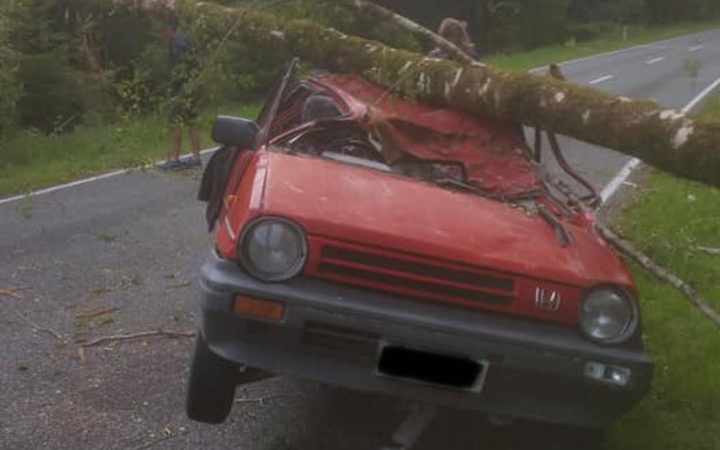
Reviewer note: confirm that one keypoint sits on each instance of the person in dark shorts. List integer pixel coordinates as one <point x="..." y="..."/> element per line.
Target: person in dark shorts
<point x="184" y="98"/>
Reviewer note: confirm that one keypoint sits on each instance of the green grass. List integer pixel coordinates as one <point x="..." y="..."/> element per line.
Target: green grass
<point x="30" y="161"/>
<point x="668" y="218"/>
<point x="637" y="35"/>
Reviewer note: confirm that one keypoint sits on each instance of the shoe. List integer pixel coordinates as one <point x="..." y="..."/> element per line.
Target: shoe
<point x="170" y="164"/>
<point x="192" y="162"/>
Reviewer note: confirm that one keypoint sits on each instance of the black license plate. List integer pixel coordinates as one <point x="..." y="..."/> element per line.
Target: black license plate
<point x="433" y="368"/>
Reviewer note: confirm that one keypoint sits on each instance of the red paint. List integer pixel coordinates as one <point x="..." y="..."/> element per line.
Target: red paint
<point x="418" y="225"/>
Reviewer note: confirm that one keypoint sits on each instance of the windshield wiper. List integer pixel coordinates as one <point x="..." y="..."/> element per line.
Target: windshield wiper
<point x="473" y="189"/>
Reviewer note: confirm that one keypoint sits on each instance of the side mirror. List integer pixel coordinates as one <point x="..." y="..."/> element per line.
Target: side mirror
<point x="235" y="132"/>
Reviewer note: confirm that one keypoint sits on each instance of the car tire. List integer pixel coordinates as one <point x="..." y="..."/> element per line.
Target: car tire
<point x="211" y="386"/>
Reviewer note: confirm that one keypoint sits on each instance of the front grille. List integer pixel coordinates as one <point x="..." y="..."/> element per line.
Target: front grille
<point x="413" y="278"/>
<point x="340" y="340"/>
<point x="400" y="265"/>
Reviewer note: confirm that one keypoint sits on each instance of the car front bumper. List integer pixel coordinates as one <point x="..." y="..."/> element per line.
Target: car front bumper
<point x="333" y="334"/>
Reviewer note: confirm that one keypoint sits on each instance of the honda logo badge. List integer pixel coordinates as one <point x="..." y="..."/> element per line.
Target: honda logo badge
<point x="547" y="300"/>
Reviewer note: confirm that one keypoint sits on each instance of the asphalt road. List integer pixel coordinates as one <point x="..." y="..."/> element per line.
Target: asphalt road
<point x="673" y="72"/>
<point x="121" y="255"/>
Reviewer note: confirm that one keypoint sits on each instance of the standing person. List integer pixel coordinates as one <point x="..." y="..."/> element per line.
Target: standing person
<point x="455" y="31"/>
<point x="184" y="93"/>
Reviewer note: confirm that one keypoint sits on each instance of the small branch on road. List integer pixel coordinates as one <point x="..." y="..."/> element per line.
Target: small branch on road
<point x="261" y="400"/>
<point x="165" y="435"/>
<point x="13" y="292"/>
<point x="95" y="313"/>
<point x="37" y="327"/>
<point x="142" y="334"/>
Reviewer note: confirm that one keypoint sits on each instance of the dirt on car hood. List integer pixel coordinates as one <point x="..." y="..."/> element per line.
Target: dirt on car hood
<point x="337" y="200"/>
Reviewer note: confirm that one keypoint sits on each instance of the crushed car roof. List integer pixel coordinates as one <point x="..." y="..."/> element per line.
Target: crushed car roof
<point x="493" y="150"/>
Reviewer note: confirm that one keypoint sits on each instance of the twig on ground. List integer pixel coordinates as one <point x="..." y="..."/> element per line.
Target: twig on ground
<point x="166" y="435"/>
<point x="142" y="334"/>
<point x="37" y="327"/>
<point x="62" y="126"/>
<point x="12" y="291"/>
<point x="708" y="250"/>
<point x="154" y="443"/>
<point x="261" y="400"/>
<point x="95" y="312"/>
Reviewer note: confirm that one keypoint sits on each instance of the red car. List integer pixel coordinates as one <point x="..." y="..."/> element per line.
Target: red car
<point x="384" y="245"/>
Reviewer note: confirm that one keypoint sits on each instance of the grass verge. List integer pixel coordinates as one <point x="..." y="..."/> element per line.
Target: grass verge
<point x="31" y="161"/>
<point x="668" y="219"/>
<point x="637" y="35"/>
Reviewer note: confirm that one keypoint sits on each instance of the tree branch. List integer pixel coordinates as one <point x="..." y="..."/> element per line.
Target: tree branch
<point x="37" y="327"/>
<point x="142" y="334"/>
<point x="12" y="291"/>
<point x="408" y="25"/>
<point x="661" y="273"/>
<point x="648" y="264"/>
<point x="708" y="250"/>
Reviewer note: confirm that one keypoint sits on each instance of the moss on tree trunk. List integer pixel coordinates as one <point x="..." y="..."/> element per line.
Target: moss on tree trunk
<point x="684" y="145"/>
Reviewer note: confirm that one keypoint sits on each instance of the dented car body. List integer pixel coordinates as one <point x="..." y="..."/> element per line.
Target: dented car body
<point x="383" y="245"/>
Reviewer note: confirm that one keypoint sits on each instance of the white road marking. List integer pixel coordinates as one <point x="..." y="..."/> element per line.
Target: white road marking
<point x="700" y="96"/>
<point x="696" y="48"/>
<point x="601" y="80"/>
<point x="631" y="165"/>
<point x="622" y="50"/>
<point x="655" y="60"/>
<point x="87" y="180"/>
<point x="619" y="179"/>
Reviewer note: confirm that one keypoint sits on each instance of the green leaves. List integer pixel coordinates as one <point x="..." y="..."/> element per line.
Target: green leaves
<point x="10" y="87"/>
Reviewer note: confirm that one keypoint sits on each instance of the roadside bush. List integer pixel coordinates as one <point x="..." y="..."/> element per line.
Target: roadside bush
<point x="10" y="86"/>
<point x="53" y="92"/>
<point x="587" y="31"/>
<point x="236" y="72"/>
<point x="340" y="18"/>
<point x="142" y="85"/>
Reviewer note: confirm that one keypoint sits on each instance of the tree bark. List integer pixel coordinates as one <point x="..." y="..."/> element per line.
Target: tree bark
<point x="687" y="146"/>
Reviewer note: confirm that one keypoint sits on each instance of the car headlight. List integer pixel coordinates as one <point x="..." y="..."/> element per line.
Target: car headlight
<point x="273" y="249"/>
<point x="608" y="315"/>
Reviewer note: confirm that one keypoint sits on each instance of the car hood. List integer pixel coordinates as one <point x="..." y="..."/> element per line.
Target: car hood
<point x="336" y="200"/>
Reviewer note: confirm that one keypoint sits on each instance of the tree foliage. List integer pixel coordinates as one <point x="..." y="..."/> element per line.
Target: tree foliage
<point x="72" y="60"/>
<point x="10" y="86"/>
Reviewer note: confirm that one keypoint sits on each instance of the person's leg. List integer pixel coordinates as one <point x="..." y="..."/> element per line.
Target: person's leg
<point x="195" y="141"/>
<point x="176" y="145"/>
<point x="173" y="158"/>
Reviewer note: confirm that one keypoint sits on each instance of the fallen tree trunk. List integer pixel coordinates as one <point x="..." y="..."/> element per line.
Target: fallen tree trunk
<point x="684" y="145"/>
